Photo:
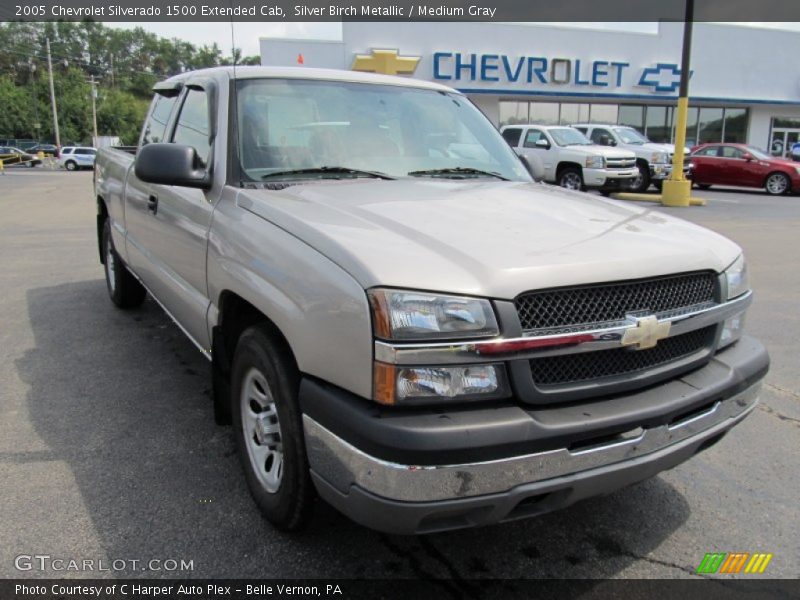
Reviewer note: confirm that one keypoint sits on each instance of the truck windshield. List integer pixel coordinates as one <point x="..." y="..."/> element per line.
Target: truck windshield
<point x="630" y="136"/>
<point x="290" y="129"/>
<point x="567" y="136"/>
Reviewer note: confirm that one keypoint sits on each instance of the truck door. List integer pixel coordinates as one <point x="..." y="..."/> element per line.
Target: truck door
<point x="536" y="143"/>
<point x="168" y="225"/>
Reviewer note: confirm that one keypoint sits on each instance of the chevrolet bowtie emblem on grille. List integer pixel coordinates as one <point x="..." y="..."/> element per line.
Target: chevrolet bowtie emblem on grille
<point x="646" y="333"/>
<point x="386" y="62"/>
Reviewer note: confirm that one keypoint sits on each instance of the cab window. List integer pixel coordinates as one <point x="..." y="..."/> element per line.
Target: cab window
<point x="156" y="124"/>
<point x="193" y="127"/>
<point x="533" y="136"/>
<point x="598" y="133"/>
<point x="512" y="135"/>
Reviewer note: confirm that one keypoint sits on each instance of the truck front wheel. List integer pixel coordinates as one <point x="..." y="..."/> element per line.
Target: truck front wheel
<point x="571" y="178"/>
<point x="123" y="288"/>
<point x="269" y="430"/>
<point x="641" y="182"/>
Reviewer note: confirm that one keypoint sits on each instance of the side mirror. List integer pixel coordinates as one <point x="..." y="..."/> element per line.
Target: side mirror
<point x="542" y="143"/>
<point x="534" y="166"/>
<point x="606" y="141"/>
<point x="747" y="156"/>
<point x="171" y="164"/>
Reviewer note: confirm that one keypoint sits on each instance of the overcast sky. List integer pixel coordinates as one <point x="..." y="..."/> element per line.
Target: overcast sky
<point x="246" y="34"/>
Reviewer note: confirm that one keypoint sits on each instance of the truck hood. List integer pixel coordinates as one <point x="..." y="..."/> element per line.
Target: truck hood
<point x="668" y="148"/>
<point x="493" y="239"/>
<point x="608" y="152"/>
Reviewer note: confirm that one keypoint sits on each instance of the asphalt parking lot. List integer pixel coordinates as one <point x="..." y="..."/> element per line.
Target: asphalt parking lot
<point x="108" y="449"/>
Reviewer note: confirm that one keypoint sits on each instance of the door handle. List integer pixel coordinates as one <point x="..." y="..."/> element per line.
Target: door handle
<point x="152" y="204"/>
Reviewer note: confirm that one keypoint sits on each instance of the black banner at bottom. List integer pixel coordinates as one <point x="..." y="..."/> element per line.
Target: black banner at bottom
<point x="406" y="589"/>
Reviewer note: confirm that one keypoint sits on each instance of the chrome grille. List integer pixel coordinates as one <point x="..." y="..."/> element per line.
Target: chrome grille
<point x="590" y="305"/>
<point x="577" y="368"/>
<point x="620" y="163"/>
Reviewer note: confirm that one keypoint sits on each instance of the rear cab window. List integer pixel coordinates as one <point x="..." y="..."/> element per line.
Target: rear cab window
<point x="512" y="135"/>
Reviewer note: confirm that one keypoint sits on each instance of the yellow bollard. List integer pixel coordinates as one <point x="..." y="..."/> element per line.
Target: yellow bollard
<point x="2" y="171"/>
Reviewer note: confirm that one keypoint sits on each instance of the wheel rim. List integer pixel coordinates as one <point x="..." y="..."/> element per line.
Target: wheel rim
<point x="636" y="182"/>
<point x="571" y="181"/>
<point x="262" y="430"/>
<point x="776" y="184"/>
<point x="111" y="267"/>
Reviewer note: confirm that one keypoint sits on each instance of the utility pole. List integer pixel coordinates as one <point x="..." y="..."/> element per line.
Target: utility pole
<point x="677" y="190"/>
<point x="93" y="83"/>
<point x="53" y="95"/>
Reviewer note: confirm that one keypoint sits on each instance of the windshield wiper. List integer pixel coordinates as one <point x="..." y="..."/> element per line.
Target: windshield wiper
<point x="456" y="171"/>
<point x="328" y="170"/>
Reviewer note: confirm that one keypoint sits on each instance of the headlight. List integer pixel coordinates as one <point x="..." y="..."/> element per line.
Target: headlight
<point x="659" y="158"/>
<point x="407" y="316"/>
<point x="594" y="162"/>
<point x="435" y="385"/>
<point x="737" y="284"/>
<point x="797" y="169"/>
<point x="736" y="278"/>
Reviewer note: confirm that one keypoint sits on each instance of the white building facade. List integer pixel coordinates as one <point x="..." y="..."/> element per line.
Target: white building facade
<point x="744" y="86"/>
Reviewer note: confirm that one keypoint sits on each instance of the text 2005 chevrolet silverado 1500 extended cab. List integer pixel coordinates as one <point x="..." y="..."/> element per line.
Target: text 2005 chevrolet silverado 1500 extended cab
<point x="400" y="320"/>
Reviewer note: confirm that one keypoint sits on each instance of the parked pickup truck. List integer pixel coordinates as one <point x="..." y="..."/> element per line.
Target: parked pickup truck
<point x="653" y="160"/>
<point x="570" y="159"/>
<point x="399" y="319"/>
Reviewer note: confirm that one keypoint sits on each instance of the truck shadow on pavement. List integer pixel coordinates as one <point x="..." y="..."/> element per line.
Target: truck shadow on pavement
<point x="123" y="398"/>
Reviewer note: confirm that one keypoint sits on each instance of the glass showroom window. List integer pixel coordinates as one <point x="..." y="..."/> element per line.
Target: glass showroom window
<point x="512" y="113"/>
<point x="604" y="113"/>
<point x="710" y="125"/>
<point x="544" y="113"/>
<point x="735" y="125"/>
<point x="631" y="115"/>
<point x="657" y="123"/>
<point x="574" y="112"/>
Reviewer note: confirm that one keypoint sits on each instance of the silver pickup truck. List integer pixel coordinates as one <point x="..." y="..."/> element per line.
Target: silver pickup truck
<point x="400" y="319"/>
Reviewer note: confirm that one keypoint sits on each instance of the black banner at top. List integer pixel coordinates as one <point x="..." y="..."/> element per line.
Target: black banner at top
<point x="398" y="10"/>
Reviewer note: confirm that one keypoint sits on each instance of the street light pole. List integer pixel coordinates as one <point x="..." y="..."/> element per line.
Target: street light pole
<point x="53" y="95"/>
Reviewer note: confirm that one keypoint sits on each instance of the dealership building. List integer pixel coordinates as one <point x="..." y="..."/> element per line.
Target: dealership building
<point x="744" y="86"/>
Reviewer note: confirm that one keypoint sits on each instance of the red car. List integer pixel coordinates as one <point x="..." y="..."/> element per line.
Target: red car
<point x="739" y="164"/>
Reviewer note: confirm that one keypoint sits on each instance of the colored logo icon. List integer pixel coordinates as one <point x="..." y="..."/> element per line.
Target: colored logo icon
<point x="734" y="562"/>
<point x="387" y="62"/>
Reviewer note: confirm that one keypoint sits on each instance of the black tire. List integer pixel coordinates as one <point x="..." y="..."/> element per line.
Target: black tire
<point x="262" y="359"/>
<point x="70" y="165"/>
<point x="777" y="184"/>
<point x="641" y="183"/>
<point x="571" y="178"/>
<point x="123" y="288"/>
<point x="658" y="184"/>
<point x="703" y="186"/>
<point x="32" y="164"/>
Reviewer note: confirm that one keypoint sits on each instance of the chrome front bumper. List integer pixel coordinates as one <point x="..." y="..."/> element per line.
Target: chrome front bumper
<point x="344" y="467"/>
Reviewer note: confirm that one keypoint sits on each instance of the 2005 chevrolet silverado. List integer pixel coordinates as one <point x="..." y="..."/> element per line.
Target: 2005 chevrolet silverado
<point x="400" y="319"/>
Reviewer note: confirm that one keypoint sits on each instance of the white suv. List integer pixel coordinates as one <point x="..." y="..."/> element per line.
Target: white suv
<point x="570" y="159"/>
<point x="73" y="158"/>
<point x="653" y="160"/>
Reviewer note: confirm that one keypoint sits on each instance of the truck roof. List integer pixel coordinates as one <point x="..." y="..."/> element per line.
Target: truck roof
<point x="254" y="72"/>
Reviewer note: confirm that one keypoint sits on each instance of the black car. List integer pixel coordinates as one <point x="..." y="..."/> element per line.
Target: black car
<point x="48" y="149"/>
